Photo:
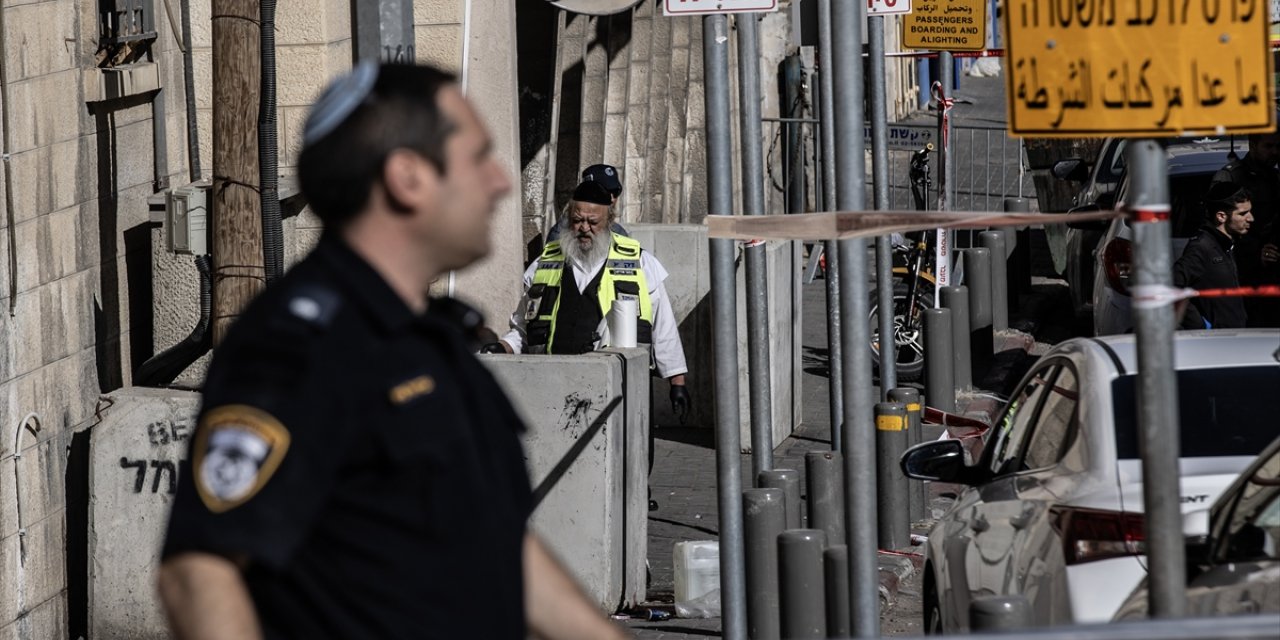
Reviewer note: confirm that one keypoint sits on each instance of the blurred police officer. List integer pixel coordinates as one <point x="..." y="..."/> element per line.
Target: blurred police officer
<point x="355" y="472"/>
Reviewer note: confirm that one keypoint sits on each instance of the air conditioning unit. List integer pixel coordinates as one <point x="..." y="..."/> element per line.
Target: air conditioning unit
<point x="187" y="218"/>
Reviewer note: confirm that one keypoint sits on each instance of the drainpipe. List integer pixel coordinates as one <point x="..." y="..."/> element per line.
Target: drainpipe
<point x="268" y="145"/>
<point x="8" y="170"/>
<point x="189" y="87"/>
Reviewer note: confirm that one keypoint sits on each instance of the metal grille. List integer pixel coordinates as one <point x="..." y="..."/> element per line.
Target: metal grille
<point x="123" y="21"/>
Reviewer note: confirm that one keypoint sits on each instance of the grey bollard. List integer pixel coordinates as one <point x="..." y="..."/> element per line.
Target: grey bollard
<point x="789" y="481"/>
<point x="893" y="524"/>
<point x="995" y="241"/>
<point x="1019" y="272"/>
<point x="763" y="519"/>
<point x="824" y="477"/>
<point x="803" y="583"/>
<point x="910" y="398"/>
<point x="982" y="345"/>
<point x="999" y="613"/>
<point x="957" y="300"/>
<point x="939" y="363"/>
<point x="835" y="562"/>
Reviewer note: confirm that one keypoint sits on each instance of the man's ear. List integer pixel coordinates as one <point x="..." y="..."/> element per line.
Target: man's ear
<point x="1220" y="218"/>
<point x="408" y="180"/>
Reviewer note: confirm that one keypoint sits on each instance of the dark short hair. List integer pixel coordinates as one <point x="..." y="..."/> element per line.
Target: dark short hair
<point x="1224" y="196"/>
<point x="338" y="171"/>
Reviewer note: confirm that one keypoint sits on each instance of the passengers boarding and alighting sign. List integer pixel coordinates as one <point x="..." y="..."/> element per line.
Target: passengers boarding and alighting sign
<point x="697" y="7"/>
<point x="1139" y="68"/>
<point x="946" y="25"/>
<point x="888" y="7"/>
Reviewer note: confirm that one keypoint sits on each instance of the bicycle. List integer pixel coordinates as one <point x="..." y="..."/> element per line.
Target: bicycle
<point x="914" y="283"/>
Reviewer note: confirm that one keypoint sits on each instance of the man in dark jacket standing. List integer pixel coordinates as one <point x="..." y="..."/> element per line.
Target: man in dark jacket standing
<point x="1255" y="254"/>
<point x="1207" y="261"/>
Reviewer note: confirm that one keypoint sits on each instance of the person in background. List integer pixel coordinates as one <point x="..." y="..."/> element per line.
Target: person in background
<point x="1207" y="262"/>
<point x="572" y="285"/>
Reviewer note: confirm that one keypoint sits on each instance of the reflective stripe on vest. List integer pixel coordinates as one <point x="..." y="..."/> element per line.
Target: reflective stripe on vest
<point x="623" y="278"/>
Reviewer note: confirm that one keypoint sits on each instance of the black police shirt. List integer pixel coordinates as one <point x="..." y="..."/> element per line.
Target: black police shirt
<point x="362" y="461"/>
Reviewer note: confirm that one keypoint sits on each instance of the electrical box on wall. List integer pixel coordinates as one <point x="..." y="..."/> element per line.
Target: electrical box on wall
<point x="187" y="218"/>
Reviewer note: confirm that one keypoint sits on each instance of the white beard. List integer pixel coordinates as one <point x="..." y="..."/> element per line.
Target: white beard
<point x="586" y="258"/>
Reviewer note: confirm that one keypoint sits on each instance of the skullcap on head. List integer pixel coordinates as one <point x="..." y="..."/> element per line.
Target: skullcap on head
<point x="591" y="191"/>
<point x="339" y="100"/>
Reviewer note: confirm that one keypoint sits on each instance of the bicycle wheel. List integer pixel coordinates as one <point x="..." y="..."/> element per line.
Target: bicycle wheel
<point x="908" y="328"/>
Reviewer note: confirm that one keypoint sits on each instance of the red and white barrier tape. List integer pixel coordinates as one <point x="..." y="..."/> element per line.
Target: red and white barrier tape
<point x="1152" y="296"/>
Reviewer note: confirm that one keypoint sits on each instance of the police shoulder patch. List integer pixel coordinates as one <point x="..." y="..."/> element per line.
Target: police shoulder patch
<point x="237" y="450"/>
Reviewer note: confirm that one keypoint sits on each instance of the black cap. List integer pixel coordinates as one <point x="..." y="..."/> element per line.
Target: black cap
<point x="1222" y="192"/>
<point x="606" y="175"/>
<point x="592" y="192"/>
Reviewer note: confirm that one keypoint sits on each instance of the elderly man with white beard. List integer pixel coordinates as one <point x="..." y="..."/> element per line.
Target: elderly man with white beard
<point x="562" y="316"/>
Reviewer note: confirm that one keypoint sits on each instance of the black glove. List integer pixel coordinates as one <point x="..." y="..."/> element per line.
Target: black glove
<point x="681" y="401"/>
<point x="493" y="347"/>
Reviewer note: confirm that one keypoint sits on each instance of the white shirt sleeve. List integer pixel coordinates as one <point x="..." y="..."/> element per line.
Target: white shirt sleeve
<point x="515" y="337"/>
<point x="668" y="351"/>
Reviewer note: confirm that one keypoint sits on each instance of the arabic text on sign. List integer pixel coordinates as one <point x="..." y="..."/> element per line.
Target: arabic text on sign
<point x="1139" y="67"/>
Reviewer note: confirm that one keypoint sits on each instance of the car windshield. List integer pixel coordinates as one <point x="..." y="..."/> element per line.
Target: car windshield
<point x="1223" y="412"/>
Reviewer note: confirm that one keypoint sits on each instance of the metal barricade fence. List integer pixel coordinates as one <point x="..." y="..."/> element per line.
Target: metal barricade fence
<point x="990" y="166"/>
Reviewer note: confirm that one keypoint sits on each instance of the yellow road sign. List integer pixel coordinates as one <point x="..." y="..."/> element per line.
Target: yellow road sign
<point x="946" y="25"/>
<point x="1138" y="68"/>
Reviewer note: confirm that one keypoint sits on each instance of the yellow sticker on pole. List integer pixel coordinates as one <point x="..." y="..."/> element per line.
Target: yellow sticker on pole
<point x="946" y="25"/>
<point x="1138" y="68"/>
<point x="891" y="423"/>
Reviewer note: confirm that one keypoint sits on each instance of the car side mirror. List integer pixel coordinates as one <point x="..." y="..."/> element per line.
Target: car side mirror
<point x="1073" y="169"/>
<point x="1089" y="225"/>
<point x="937" y="461"/>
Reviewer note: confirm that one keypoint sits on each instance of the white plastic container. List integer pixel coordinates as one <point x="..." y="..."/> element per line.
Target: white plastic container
<point x="697" y="578"/>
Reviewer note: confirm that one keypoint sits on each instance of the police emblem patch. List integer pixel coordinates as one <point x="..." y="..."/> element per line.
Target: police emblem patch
<point x="237" y="450"/>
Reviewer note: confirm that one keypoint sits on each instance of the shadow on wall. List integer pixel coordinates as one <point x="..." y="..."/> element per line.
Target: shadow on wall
<point x="107" y="324"/>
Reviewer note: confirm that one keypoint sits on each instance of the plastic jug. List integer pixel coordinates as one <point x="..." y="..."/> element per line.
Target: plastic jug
<point x="697" y="578"/>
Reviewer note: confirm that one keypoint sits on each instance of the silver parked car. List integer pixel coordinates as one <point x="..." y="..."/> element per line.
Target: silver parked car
<point x="1051" y="507"/>
<point x="1235" y="569"/>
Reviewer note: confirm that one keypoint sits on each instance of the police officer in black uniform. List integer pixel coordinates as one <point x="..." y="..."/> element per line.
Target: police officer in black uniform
<point x="356" y="473"/>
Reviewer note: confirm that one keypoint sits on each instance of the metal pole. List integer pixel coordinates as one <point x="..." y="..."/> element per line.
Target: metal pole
<point x="939" y="364"/>
<point x="757" y="276"/>
<point x="995" y="242"/>
<point x="891" y="499"/>
<point x="793" y="155"/>
<point x="982" y="341"/>
<point x="803" y="591"/>
<point x="825" y="493"/>
<point x="859" y="434"/>
<point x="957" y="300"/>
<point x="947" y="170"/>
<point x="880" y="179"/>
<point x="764" y="511"/>
<point x="1020" y="269"/>
<point x="910" y="398"/>
<point x="724" y="293"/>
<point x="826" y="95"/>
<point x="835" y="561"/>
<point x="1158" y="425"/>
<point x="788" y="481"/>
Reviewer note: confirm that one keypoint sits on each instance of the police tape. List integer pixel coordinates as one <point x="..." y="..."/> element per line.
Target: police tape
<point x="985" y="53"/>
<point x="844" y="225"/>
<point x="1154" y="296"/>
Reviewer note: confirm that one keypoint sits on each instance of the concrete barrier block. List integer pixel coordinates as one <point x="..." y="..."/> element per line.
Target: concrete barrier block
<point x="133" y="473"/>
<point x="591" y="476"/>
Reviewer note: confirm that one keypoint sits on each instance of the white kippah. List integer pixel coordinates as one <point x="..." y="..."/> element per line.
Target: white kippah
<point x="339" y="100"/>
